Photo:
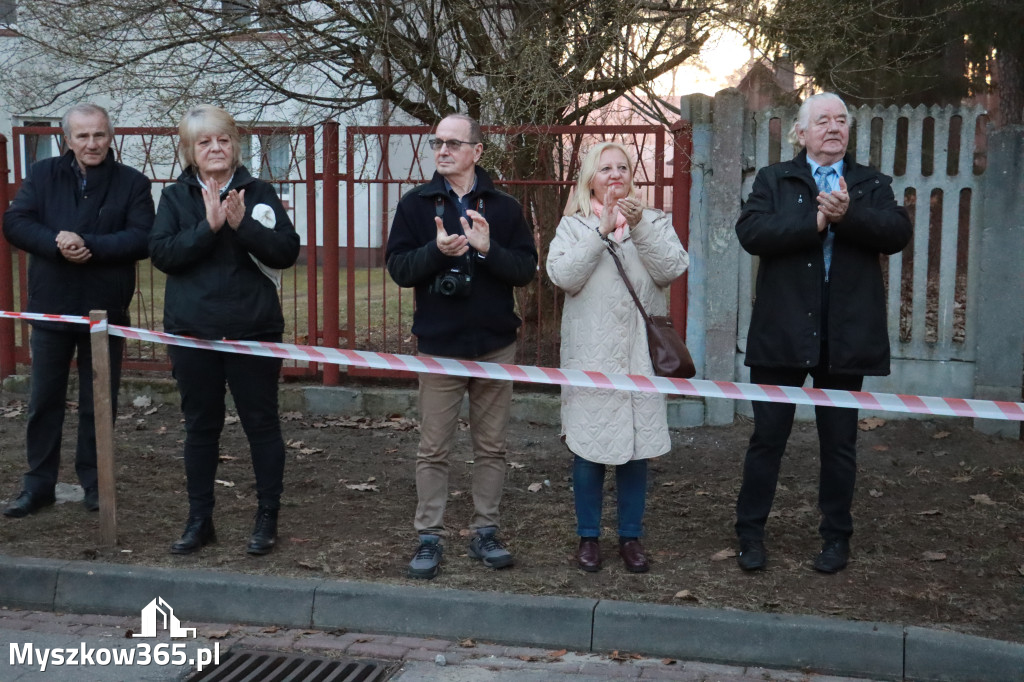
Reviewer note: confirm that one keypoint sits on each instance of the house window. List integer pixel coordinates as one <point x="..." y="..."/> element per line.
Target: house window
<point x="269" y="157"/>
<point x="237" y="13"/>
<point x="267" y="15"/>
<point x="36" y="147"/>
<point x="275" y="162"/>
<point x="273" y="14"/>
<point x="8" y="13"/>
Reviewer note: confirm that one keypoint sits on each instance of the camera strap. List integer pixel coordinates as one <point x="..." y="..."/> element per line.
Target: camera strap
<point x="439" y="207"/>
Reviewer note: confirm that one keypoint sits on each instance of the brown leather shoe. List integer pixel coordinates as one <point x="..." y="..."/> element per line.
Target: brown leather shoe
<point x="588" y="556"/>
<point x="633" y="557"/>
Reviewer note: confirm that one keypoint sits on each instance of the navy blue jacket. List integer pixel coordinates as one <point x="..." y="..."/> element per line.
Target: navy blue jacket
<point x="778" y="224"/>
<point x="214" y="289"/>
<point x="486" y="320"/>
<point x="113" y="215"/>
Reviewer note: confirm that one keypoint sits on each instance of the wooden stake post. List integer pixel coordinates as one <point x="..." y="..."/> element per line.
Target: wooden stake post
<point x="104" y="420"/>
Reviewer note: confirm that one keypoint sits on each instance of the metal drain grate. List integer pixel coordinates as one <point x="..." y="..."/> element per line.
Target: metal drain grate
<point x="275" y="666"/>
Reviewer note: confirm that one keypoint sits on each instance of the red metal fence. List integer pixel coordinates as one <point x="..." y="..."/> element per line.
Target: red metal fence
<point x="378" y="314"/>
<point x="341" y="294"/>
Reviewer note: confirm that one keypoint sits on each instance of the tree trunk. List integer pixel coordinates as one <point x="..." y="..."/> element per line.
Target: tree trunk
<point x="1010" y="86"/>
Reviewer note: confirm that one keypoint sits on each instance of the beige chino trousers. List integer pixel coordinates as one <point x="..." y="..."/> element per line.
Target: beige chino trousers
<point x="440" y="400"/>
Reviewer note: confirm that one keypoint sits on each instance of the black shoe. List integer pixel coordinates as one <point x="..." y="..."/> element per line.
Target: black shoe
<point x="752" y="555"/>
<point x="91" y="501"/>
<point x="198" y="532"/>
<point x="834" y="555"/>
<point x="264" y="532"/>
<point x="28" y="503"/>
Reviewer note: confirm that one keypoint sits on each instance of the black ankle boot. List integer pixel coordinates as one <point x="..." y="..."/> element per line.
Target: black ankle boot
<point x="264" y="532"/>
<point x="198" y="532"/>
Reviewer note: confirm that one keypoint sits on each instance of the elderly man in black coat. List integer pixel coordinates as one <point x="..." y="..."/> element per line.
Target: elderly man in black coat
<point x="84" y="219"/>
<point x="819" y="224"/>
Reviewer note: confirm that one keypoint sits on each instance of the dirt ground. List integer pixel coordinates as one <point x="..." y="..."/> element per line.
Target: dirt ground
<point x="939" y="517"/>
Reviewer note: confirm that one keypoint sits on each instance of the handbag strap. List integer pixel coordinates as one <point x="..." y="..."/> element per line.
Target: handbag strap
<point x="622" y="271"/>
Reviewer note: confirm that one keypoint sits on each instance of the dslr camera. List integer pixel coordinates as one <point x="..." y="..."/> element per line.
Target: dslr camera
<point x="455" y="282"/>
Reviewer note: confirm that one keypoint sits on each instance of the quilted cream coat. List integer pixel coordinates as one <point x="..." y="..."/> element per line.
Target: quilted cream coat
<point x="603" y="331"/>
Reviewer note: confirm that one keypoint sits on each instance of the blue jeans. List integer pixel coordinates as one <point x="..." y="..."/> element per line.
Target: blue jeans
<point x="631" y="486"/>
<point x="52" y="352"/>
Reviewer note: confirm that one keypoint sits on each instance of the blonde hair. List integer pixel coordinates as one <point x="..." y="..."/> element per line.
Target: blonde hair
<point x="579" y="202"/>
<point x="207" y="119"/>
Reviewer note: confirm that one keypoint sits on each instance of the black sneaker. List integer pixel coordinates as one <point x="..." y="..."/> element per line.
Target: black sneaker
<point x="752" y="555"/>
<point x="486" y="547"/>
<point x="835" y="554"/>
<point x="426" y="563"/>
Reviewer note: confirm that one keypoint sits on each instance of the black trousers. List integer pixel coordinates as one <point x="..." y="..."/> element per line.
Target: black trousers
<point x="837" y="440"/>
<point x="202" y="376"/>
<point x="52" y="352"/>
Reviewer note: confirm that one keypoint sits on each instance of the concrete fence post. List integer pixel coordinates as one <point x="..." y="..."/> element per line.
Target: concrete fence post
<point x="721" y="247"/>
<point x="1000" y="314"/>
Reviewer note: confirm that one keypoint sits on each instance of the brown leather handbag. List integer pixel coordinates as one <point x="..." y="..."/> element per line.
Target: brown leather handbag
<point x="669" y="354"/>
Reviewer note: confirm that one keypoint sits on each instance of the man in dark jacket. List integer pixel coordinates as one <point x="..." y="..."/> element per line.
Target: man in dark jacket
<point x="819" y="224"/>
<point x="84" y="219"/>
<point x="463" y="245"/>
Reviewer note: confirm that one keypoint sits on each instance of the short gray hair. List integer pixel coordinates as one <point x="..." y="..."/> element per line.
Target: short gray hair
<point x="475" y="134"/>
<point x="85" y="109"/>
<point x="803" y="116"/>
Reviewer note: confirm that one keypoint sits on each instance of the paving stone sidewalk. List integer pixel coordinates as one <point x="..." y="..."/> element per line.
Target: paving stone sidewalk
<point x="413" y="659"/>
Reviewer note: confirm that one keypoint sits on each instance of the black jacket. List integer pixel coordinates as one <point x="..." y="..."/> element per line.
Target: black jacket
<point x="214" y="289"/>
<point x="113" y="215"/>
<point x="778" y="225"/>
<point x="486" y="320"/>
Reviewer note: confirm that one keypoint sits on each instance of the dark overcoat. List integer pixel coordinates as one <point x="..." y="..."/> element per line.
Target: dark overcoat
<point x="113" y="214"/>
<point x="778" y="224"/>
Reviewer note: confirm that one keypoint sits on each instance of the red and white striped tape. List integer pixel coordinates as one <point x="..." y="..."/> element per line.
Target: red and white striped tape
<point x="883" y="402"/>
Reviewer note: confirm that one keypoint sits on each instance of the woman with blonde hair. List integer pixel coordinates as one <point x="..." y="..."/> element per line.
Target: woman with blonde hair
<point x="602" y="330"/>
<point x="222" y="236"/>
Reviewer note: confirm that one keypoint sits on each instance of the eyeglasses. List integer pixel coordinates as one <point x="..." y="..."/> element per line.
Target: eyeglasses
<point x="453" y="145"/>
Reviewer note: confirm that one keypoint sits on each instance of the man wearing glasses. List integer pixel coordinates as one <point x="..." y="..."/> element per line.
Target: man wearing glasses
<point x="463" y="246"/>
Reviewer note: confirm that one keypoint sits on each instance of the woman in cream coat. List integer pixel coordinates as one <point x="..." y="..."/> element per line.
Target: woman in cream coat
<point x="602" y="330"/>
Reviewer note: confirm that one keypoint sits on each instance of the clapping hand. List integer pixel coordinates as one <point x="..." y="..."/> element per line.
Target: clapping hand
<point x="234" y="208"/>
<point x="832" y="205"/>
<point x="230" y="210"/>
<point x="608" y="216"/>
<point x="450" y="244"/>
<point x="632" y="209"/>
<point x="479" y="233"/>
<point x="215" y="213"/>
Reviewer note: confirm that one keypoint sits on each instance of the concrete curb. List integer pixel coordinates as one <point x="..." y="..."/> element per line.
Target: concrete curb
<point x="877" y="650"/>
<point x="854" y="649"/>
<point x="951" y="657"/>
<point x="516" y="619"/>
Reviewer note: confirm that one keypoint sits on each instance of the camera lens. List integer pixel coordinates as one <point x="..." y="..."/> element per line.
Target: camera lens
<point x="447" y="285"/>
